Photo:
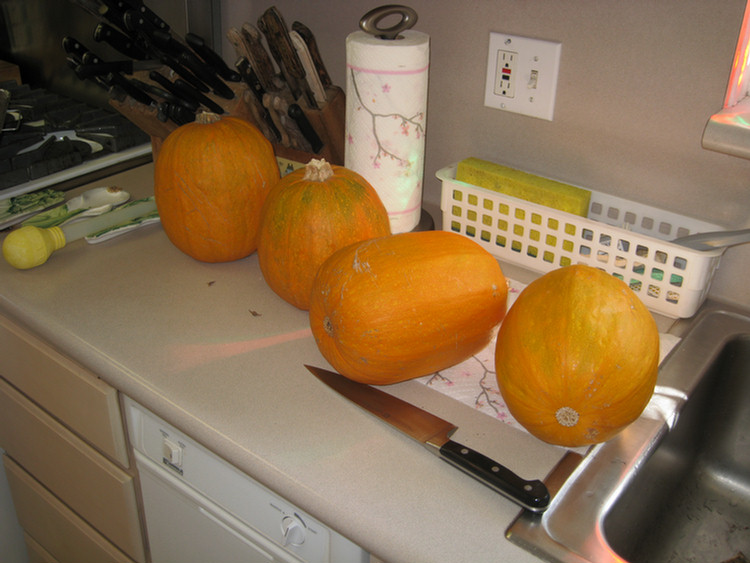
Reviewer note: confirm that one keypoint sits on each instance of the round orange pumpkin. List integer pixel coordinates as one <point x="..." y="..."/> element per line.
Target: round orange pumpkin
<point x="211" y="178"/>
<point x="577" y="356"/>
<point x="406" y="305"/>
<point x="308" y="215"/>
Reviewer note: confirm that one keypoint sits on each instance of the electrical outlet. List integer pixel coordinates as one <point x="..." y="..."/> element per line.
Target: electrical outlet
<point x="505" y="74"/>
<point x="522" y="75"/>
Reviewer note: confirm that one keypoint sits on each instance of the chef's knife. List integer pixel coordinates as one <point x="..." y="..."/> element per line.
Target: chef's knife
<point x="434" y="433"/>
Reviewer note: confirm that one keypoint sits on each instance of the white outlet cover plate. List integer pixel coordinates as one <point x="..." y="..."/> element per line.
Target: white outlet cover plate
<point x="529" y="98"/>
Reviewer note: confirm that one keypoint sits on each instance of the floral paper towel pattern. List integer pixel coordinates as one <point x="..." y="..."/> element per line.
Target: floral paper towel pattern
<point x="473" y="381"/>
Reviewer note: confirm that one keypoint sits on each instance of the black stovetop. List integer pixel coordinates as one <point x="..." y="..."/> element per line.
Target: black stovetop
<point x="44" y="133"/>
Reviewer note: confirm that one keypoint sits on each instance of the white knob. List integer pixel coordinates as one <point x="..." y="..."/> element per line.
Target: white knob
<point x="294" y="530"/>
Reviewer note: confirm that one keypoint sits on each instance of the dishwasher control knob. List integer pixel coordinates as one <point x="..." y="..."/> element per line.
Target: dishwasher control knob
<point x="293" y="529"/>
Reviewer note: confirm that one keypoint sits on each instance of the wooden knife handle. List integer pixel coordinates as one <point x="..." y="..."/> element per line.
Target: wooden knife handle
<point x="312" y="46"/>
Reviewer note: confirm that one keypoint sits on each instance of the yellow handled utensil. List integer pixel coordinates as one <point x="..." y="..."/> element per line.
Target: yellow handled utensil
<point x="31" y="246"/>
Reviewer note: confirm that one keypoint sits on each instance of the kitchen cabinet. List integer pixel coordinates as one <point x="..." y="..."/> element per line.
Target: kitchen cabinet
<point x="66" y="457"/>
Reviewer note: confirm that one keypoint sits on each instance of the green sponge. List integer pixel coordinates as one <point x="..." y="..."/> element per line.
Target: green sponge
<point x="523" y="185"/>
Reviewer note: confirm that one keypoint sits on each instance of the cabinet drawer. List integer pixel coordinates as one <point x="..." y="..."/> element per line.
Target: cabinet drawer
<point x="91" y="485"/>
<point x="37" y="554"/>
<point x="62" y="387"/>
<point x="60" y="534"/>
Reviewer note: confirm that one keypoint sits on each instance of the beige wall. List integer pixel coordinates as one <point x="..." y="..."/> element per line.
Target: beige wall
<point x="638" y="81"/>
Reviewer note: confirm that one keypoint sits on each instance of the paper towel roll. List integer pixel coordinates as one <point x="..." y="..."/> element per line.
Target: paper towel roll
<point x="386" y="114"/>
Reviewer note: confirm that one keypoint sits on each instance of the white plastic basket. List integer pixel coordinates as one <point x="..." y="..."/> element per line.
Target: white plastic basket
<point x="623" y="238"/>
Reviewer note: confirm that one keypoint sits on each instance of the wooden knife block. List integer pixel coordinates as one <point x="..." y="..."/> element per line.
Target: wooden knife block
<point x="328" y="122"/>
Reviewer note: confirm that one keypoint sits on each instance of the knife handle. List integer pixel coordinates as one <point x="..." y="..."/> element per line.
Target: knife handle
<point x="532" y="495"/>
<point x="312" y="46"/>
<point x="121" y="42"/>
<point x="308" y="131"/>
<point x="210" y="57"/>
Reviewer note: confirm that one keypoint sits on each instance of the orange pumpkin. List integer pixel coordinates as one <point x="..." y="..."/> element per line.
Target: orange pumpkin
<point x="308" y="215"/>
<point x="406" y="305"/>
<point x="210" y="181"/>
<point x="577" y="356"/>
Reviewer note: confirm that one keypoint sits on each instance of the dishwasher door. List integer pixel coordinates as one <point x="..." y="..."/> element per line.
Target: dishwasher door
<point x="199" y="508"/>
<point x="186" y="527"/>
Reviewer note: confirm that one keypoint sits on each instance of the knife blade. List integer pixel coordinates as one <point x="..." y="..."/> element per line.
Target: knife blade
<point x="434" y="433"/>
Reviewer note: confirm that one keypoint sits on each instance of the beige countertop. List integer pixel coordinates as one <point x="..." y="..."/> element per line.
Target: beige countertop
<point x="212" y="350"/>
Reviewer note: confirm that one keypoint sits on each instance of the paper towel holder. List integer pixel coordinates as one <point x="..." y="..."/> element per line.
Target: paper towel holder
<point x="370" y="21"/>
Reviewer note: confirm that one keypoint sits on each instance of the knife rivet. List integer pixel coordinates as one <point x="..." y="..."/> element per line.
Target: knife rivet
<point x="464" y="451"/>
<point x="527" y="487"/>
<point x="495" y="469"/>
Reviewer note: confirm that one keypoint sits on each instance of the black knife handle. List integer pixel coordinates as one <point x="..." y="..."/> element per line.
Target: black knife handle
<point x="206" y="74"/>
<point x="75" y="48"/>
<point x="532" y="495"/>
<point x="167" y="84"/>
<point x="187" y="91"/>
<point x="116" y="79"/>
<point x="210" y="57"/>
<point x="121" y="42"/>
<point x="152" y="18"/>
<point x="84" y="71"/>
<point x="296" y="113"/>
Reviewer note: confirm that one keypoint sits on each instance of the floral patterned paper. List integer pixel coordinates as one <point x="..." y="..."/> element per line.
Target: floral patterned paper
<point x="474" y="382"/>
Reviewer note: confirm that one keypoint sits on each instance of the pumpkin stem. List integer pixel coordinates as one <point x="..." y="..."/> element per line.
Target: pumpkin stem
<point x="207" y="117"/>
<point x="318" y="170"/>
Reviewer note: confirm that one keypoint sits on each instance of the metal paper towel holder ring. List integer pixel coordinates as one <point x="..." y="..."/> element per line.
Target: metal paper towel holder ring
<point x="371" y="19"/>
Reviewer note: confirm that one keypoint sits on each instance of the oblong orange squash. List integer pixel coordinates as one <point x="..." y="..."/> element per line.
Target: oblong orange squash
<point x="577" y="356"/>
<point x="211" y="178"/>
<point x="307" y="216"/>
<point x="406" y="305"/>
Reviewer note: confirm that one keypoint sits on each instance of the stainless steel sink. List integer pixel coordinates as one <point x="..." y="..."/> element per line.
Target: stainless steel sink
<point x="673" y="487"/>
